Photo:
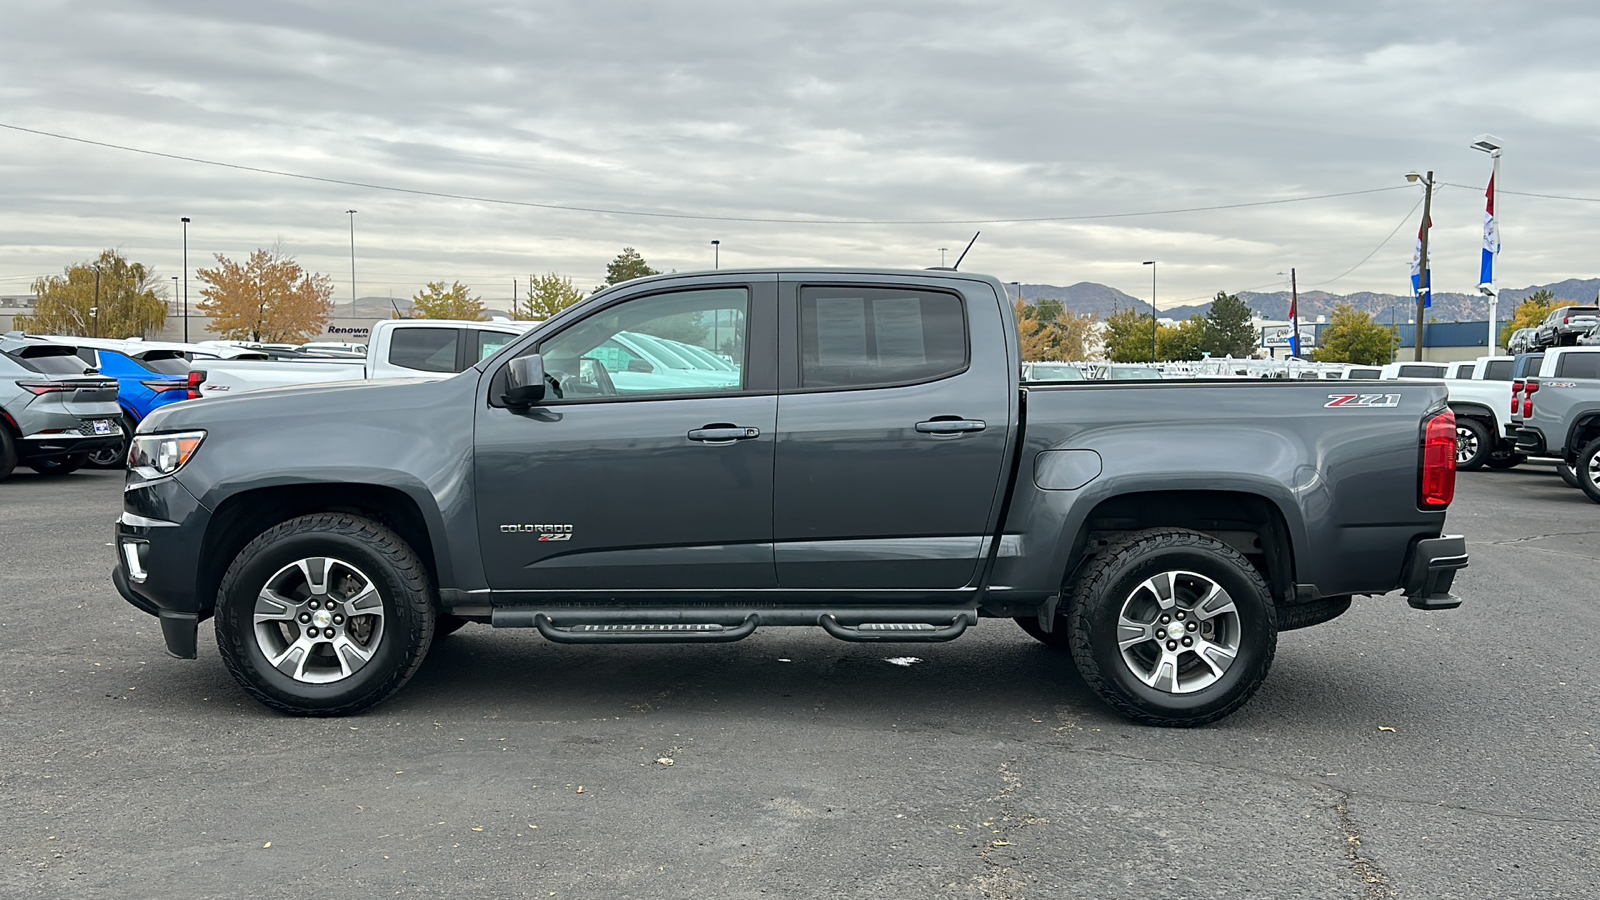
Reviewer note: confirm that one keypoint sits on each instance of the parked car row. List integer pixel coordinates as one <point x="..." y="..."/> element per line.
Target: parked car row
<point x="55" y="411"/>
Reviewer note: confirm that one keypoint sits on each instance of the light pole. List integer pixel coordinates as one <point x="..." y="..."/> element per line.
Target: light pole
<point x="716" y="254"/>
<point x="1488" y="143"/>
<point x="1153" y="325"/>
<point x="1424" y="285"/>
<point x="94" y="311"/>
<point x="941" y="256"/>
<point x="185" y="221"/>
<point x="352" y="214"/>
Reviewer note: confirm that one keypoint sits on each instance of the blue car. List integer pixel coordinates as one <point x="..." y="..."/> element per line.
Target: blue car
<point x="144" y="385"/>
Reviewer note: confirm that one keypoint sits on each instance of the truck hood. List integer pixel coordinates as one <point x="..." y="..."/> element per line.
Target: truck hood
<point x="334" y="401"/>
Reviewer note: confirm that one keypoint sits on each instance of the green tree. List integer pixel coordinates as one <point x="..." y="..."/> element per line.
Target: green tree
<point x="1529" y="314"/>
<point x="1229" y="331"/>
<point x="269" y="297"/>
<point x="1354" y="337"/>
<point x="548" y="295"/>
<point x="1186" y="340"/>
<point x="627" y="266"/>
<point x="1127" y="336"/>
<point x="128" y="306"/>
<point x="454" y="302"/>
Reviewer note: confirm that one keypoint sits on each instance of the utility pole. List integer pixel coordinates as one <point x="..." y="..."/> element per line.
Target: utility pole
<point x="352" y="214"/>
<point x="185" y="221"/>
<point x="1424" y="285"/>
<point x="514" y="298"/>
<point x="1154" y="325"/>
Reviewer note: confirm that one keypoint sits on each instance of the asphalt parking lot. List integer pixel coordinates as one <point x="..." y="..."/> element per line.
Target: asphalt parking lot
<point x="1391" y="752"/>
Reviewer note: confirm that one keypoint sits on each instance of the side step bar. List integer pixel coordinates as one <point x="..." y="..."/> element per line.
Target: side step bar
<point x="656" y="625"/>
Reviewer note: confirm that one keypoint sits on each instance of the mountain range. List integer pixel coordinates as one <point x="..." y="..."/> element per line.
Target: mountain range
<point x="1101" y="301"/>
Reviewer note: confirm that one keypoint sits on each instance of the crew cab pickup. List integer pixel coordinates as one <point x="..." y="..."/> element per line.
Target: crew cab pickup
<point x="1559" y="415"/>
<point x="399" y="348"/>
<point x="873" y="467"/>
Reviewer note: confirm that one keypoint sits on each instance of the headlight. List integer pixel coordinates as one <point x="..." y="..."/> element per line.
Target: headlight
<point x="155" y="455"/>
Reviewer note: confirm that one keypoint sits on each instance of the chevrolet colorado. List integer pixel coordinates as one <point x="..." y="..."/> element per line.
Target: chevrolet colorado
<point x="872" y="466"/>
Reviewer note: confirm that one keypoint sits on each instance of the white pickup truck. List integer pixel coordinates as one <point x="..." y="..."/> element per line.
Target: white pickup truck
<point x="399" y="348"/>
<point x="1480" y="392"/>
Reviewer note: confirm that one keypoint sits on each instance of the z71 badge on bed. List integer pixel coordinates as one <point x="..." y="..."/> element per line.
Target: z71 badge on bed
<point x="1362" y="401"/>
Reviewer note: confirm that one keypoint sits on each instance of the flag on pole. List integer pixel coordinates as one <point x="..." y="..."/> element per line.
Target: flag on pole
<point x="1417" y="287"/>
<point x="1491" y="239"/>
<point x="1294" y="322"/>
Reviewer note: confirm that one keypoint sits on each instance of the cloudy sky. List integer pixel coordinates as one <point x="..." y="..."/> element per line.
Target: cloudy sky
<point x="831" y="118"/>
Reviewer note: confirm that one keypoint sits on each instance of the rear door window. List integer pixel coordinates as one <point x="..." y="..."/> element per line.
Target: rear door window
<point x="1578" y="365"/>
<point x="425" y="349"/>
<point x="490" y="342"/>
<point x="859" y="337"/>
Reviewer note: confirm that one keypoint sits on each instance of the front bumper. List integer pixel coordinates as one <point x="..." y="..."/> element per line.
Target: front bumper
<point x="158" y="539"/>
<point x="1431" y="567"/>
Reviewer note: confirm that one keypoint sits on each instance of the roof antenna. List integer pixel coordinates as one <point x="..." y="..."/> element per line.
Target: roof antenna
<point x="964" y="252"/>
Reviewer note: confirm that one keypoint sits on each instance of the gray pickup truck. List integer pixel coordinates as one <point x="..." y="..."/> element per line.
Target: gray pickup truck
<point x="850" y="450"/>
<point x="1559" y="415"/>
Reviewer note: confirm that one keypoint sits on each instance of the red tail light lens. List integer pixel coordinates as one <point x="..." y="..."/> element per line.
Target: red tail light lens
<point x="1516" y="388"/>
<point x="196" y="378"/>
<point x="1438" y="483"/>
<point x="48" y="387"/>
<point x="1528" y="390"/>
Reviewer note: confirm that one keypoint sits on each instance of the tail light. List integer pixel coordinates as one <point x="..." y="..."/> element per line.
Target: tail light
<point x="48" y="387"/>
<point x="190" y="385"/>
<point x="1528" y="390"/>
<point x="1516" y="388"/>
<point x="1437" y="486"/>
<point x="1567" y="321"/>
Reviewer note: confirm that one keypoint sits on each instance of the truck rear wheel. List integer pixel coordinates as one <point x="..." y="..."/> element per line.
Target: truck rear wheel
<point x="1172" y="627"/>
<point x="1506" y="461"/>
<point x="324" y="615"/>
<point x="1588" y="470"/>
<point x="1472" y="444"/>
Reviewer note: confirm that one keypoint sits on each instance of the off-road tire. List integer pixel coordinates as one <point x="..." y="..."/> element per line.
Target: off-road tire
<point x="1305" y="615"/>
<point x="395" y="571"/>
<point x="1056" y="639"/>
<point x="1586" y="470"/>
<point x="1479" y="433"/>
<point x="1111" y="578"/>
<point x="59" y="465"/>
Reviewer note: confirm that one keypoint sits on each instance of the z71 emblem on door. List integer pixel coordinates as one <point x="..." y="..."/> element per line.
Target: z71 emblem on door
<point x="1362" y="401"/>
<point x="545" y="532"/>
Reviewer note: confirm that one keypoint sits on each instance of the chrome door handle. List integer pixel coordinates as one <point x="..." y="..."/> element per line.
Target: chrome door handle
<point x="723" y="434"/>
<point x="944" y="425"/>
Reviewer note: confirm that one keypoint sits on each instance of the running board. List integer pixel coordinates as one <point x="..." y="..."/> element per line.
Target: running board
<point x="648" y="633"/>
<point x="899" y="632"/>
<point x="602" y="624"/>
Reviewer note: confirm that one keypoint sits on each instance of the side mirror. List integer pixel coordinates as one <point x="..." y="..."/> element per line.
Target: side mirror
<point x="524" y="382"/>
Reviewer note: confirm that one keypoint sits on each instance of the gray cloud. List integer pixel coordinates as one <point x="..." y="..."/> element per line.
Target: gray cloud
<point x="890" y="110"/>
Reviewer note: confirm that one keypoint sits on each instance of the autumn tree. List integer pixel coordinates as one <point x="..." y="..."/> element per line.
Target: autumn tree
<point x="1127" y="336"/>
<point x="269" y="297"/>
<point x="1354" y="337"/>
<point x="627" y="266"/>
<point x="1185" y="341"/>
<point x="128" y="304"/>
<point x="1050" y="331"/>
<point x="454" y="302"/>
<point x="548" y="295"/>
<point x="1529" y="314"/>
<point x="1229" y="331"/>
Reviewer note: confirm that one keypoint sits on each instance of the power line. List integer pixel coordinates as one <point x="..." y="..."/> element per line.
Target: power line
<point x="689" y="216"/>
<point x="1527" y="194"/>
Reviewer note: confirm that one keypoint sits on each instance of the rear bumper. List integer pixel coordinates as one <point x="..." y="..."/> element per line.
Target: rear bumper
<point x="1431" y="568"/>
<point x="53" y="446"/>
<point x="1528" y="440"/>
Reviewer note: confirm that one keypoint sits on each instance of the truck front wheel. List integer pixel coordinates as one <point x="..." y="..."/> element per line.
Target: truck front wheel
<point x="1172" y="627"/>
<point x="1587" y="470"/>
<point x="324" y="615"/>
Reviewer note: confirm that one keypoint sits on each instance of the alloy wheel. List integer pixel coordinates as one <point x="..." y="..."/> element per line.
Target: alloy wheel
<point x="1178" y="632"/>
<point x="319" y="620"/>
